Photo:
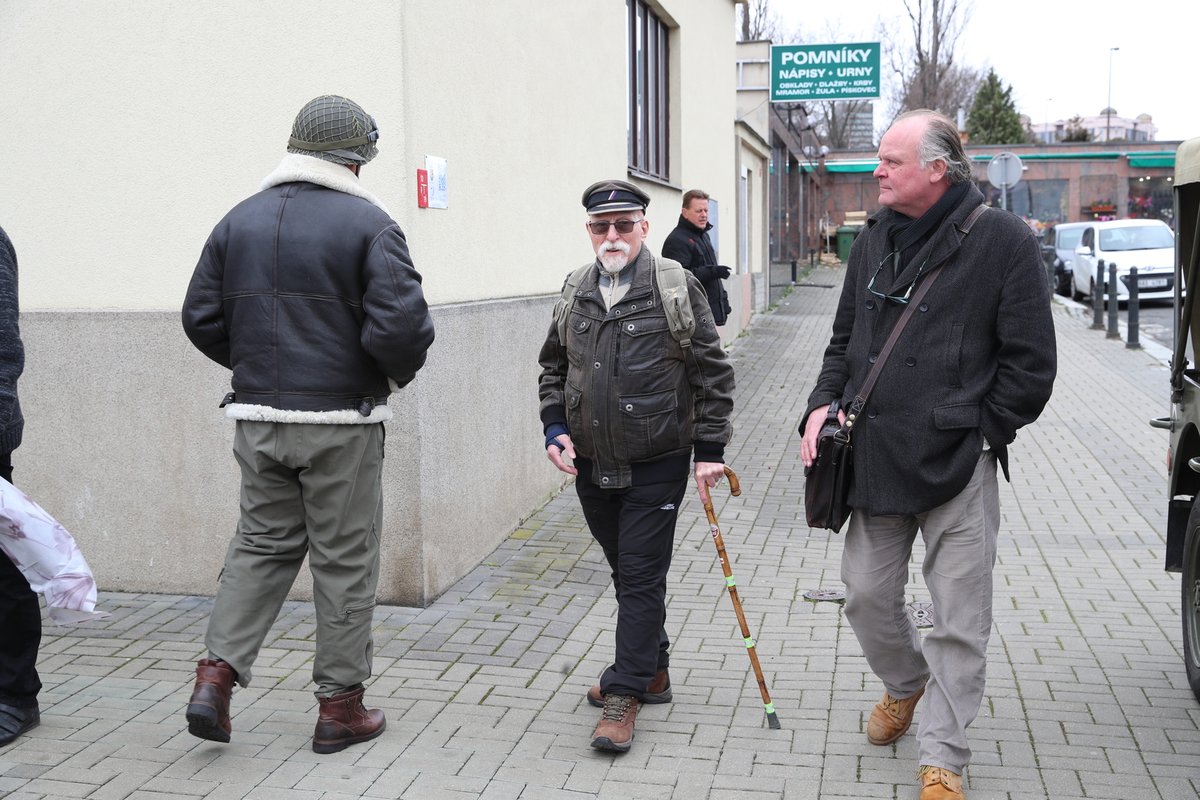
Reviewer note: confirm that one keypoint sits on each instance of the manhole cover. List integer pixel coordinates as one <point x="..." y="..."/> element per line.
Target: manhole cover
<point x="921" y="614"/>
<point x="826" y="595"/>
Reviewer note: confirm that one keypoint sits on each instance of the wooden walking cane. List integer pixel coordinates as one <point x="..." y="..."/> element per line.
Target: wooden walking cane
<point x="735" y="489"/>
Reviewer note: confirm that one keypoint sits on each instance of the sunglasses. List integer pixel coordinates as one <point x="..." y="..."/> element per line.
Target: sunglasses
<point x="900" y="299"/>
<point x="623" y="226"/>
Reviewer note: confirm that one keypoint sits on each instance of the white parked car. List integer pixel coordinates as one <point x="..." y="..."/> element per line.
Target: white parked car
<point x="1147" y="244"/>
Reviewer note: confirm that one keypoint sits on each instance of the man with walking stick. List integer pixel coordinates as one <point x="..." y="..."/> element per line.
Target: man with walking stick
<point x="634" y="383"/>
<point x="974" y="364"/>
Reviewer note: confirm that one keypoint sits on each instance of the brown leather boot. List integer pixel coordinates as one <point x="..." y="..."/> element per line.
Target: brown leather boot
<point x="659" y="691"/>
<point x="208" y="710"/>
<point x="615" y="729"/>
<point x="344" y="721"/>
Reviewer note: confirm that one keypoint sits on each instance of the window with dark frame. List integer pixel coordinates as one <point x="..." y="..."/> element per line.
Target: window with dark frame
<point x="648" y="129"/>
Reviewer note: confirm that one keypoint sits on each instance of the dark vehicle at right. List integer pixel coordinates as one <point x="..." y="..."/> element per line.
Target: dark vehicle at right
<point x="1183" y="455"/>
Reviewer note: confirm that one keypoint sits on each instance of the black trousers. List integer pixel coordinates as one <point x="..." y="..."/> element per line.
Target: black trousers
<point x="20" y="627"/>
<point x="636" y="529"/>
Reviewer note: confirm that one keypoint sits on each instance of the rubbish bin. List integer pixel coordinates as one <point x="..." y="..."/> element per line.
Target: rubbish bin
<point x="845" y="238"/>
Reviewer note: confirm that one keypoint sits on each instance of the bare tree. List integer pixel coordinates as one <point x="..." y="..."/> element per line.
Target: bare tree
<point x="929" y="75"/>
<point x="759" y="21"/>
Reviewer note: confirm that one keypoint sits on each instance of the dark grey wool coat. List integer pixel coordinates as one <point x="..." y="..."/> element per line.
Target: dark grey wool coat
<point x="976" y="362"/>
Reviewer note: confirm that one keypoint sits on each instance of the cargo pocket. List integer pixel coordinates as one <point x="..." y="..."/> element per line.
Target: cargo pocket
<point x="643" y="343"/>
<point x="357" y="620"/>
<point x="573" y="400"/>
<point x="650" y="425"/>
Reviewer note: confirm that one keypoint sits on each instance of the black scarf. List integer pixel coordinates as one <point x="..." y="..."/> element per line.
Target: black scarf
<point x="908" y="235"/>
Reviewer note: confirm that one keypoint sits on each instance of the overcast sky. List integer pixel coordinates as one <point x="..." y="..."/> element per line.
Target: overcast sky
<point x="1054" y="53"/>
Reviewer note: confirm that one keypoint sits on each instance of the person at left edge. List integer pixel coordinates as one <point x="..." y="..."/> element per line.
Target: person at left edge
<point x="308" y="293"/>
<point x="20" y="612"/>
<point x="629" y="405"/>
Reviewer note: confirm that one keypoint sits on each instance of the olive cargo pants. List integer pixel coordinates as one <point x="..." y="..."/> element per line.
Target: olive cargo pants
<point x="306" y="489"/>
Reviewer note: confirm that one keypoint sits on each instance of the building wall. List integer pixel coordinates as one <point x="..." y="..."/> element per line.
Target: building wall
<point x="148" y="119"/>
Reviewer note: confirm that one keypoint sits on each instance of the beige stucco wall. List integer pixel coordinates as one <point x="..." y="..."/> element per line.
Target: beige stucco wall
<point x="136" y="124"/>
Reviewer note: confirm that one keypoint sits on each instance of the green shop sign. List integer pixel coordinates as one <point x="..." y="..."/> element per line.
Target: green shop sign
<point x="801" y="72"/>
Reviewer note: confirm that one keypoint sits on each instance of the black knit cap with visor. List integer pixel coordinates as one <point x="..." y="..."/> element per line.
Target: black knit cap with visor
<point x="334" y="128"/>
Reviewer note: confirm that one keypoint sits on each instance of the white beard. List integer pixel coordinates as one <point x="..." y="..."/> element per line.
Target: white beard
<point x="613" y="256"/>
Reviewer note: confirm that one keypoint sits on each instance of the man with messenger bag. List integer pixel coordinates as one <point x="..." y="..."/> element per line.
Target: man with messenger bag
<point x="930" y="420"/>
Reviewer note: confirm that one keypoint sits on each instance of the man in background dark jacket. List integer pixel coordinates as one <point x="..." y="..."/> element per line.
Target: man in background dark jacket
<point x="689" y="245"/>
<point x="20" y="613"/>
<point x="307" y="292"/>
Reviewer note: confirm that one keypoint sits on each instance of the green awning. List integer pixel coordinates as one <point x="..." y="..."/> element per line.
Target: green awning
<point x="1056" y="156"/>
<point x="846" y="166"/>
<point x="1148" y="161"/>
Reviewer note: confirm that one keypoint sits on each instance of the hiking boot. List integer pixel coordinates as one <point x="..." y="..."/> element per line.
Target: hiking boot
<point x="659" y="691"/>
<point x="343" y="721"/>
<point x="208" y="709"/>
<point x="940" y="784"/>
<point x="891" y="718"/>
<point x="615" y="729"/>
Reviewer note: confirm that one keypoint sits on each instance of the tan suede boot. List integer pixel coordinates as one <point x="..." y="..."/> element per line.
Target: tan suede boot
<point x="891" y="718"/>
<point x="208" y="710"/>
<point x="940" y="784"/>
<point x="344" y="721"/>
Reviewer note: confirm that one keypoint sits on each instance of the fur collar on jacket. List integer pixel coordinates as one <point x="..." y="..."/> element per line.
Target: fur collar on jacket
<point x="296" y="167"/>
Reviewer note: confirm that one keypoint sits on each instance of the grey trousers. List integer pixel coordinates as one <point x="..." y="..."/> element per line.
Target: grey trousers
<point x="306" y="489"/>
<point x="951" y="662"/>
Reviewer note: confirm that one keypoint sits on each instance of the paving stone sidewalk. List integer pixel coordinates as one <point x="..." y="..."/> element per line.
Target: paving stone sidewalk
<point x="484" y="689"/>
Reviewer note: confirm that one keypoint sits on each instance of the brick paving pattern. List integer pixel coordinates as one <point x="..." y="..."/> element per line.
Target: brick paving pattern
<point x="484" y="689"/>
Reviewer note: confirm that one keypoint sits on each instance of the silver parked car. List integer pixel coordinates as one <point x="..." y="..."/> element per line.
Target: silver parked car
<point x="1060" y="242"/>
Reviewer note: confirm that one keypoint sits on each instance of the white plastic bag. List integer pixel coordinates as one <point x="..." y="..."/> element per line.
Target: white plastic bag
<point x="46" y="554"/>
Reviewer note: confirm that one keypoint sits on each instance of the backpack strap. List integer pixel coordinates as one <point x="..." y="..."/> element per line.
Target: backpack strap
<point x="562" y="309"/>
<point x="671" y="280"/>
<point x="677" y="302"/>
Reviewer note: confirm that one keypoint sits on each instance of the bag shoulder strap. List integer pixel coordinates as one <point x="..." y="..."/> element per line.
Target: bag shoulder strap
<point x="860" y="399"/>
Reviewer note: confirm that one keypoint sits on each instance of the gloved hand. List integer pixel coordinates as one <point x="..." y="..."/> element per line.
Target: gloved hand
<point x="722" y="271"/>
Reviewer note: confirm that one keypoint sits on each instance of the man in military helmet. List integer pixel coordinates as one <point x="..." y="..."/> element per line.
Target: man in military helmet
<point x="629" y="400"/>
<point x="306" y="291"/>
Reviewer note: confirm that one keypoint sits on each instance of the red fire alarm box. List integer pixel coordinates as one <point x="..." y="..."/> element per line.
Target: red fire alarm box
<point x="422" y="188"/>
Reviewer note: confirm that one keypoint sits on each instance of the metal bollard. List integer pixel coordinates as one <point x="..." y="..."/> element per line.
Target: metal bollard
<point x="793" y="270"/>
<point x="812" y="257"/>
<point x="1132" y="342"/>
<point x="1113" y="332"/>
<point x="1098" y="298"/>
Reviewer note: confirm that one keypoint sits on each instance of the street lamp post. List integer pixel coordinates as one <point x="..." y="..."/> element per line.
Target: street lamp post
<point x="1108" y="106"/>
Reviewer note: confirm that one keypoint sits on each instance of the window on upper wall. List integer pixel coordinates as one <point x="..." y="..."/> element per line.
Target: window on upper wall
<point x="646" y="45"/>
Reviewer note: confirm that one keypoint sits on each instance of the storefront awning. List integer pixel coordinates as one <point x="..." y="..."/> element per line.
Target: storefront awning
<point x="846" y="166"/>
<point x="1145" y="160"/>
<point x="1148" y="160"/>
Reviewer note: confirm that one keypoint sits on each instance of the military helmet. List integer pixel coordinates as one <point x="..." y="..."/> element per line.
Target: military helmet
<point x="336" y="129"/>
